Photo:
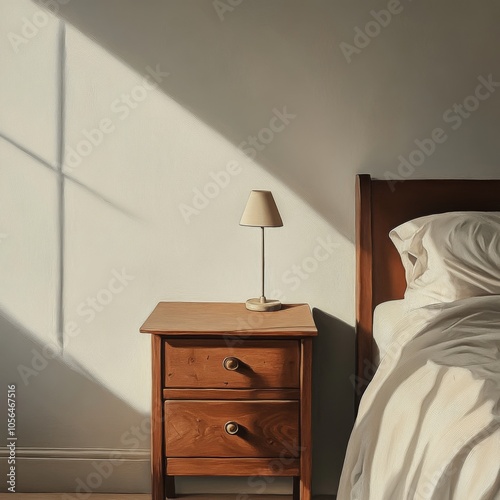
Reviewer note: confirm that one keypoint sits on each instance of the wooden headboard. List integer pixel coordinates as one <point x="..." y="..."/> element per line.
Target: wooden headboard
<point x="381" y="206"/>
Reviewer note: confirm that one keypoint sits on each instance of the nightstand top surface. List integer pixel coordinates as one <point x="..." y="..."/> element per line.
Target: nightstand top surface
<point x="226" y="318"/>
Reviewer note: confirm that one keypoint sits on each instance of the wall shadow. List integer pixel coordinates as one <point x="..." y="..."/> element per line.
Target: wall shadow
<point x="73" y="398"/>
<point x="333" y="397"/>
<point x="232" y="69"/>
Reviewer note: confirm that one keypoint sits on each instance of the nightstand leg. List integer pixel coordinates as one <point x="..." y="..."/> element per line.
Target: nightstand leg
<point x="296" y="488"/>
<point x="305" y="418"/>
<point x="157" y="457"/>
<point x="157" y="490"/>
<point x="170" y="487"/>
<point x="305" y="489"/>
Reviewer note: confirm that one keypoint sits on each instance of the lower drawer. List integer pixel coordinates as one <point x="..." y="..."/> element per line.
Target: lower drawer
<point x="231" y="429"/>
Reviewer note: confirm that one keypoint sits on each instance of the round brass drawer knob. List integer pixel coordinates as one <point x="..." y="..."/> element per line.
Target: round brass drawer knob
<point x="231" y="364"/>
<point x="231" y="428"/>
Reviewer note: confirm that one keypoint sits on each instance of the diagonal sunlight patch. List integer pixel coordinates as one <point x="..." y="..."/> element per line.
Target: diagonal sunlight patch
<point x="28" y="260"/>
<point x="139" y="149"/>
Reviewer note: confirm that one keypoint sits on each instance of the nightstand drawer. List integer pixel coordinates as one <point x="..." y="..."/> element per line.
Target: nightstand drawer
<point x="256" y="364"/>
<point x="203" y="429"/>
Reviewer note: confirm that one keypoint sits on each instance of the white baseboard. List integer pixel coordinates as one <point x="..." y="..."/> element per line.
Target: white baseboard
<point x="81" y="471"/>
<point x="79" y="453"/>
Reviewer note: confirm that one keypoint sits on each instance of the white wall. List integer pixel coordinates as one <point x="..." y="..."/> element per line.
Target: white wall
<point x="68" y="227"/>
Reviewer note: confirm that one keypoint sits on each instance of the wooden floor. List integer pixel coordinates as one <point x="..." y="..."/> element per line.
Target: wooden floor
<point x="111" y="496"/>
<point x="116" y="496"/>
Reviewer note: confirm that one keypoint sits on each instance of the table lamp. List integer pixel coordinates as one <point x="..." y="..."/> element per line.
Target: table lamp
<point x="261" y="211"/>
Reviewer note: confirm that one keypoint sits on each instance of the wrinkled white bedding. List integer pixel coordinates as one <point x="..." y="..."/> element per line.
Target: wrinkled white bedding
<point x="392" y="318"/>
<point x="428" y="425"/>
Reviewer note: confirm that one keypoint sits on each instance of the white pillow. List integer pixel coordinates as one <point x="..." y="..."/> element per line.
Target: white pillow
<point x="449" y="256"/>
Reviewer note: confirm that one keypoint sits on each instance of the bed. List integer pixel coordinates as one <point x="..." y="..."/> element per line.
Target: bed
<point x="377" y="464"/>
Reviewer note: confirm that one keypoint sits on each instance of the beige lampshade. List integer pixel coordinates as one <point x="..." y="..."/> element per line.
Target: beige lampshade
<point x="261" y="210"/>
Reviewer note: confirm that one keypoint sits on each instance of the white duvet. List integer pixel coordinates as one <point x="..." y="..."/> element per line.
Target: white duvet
<point x="428" y="425"/>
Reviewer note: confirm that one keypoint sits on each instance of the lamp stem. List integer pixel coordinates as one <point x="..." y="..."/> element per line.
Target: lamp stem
<point x="263" y="297"/>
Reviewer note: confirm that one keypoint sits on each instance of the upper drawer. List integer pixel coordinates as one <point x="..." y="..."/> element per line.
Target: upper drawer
<point x="253" y="364"/>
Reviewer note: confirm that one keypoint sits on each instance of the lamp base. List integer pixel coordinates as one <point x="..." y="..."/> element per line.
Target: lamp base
<point x="263" y="305"/>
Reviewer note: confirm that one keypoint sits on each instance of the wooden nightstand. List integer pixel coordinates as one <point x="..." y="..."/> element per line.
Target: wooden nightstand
<point x="231" y="393"/>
